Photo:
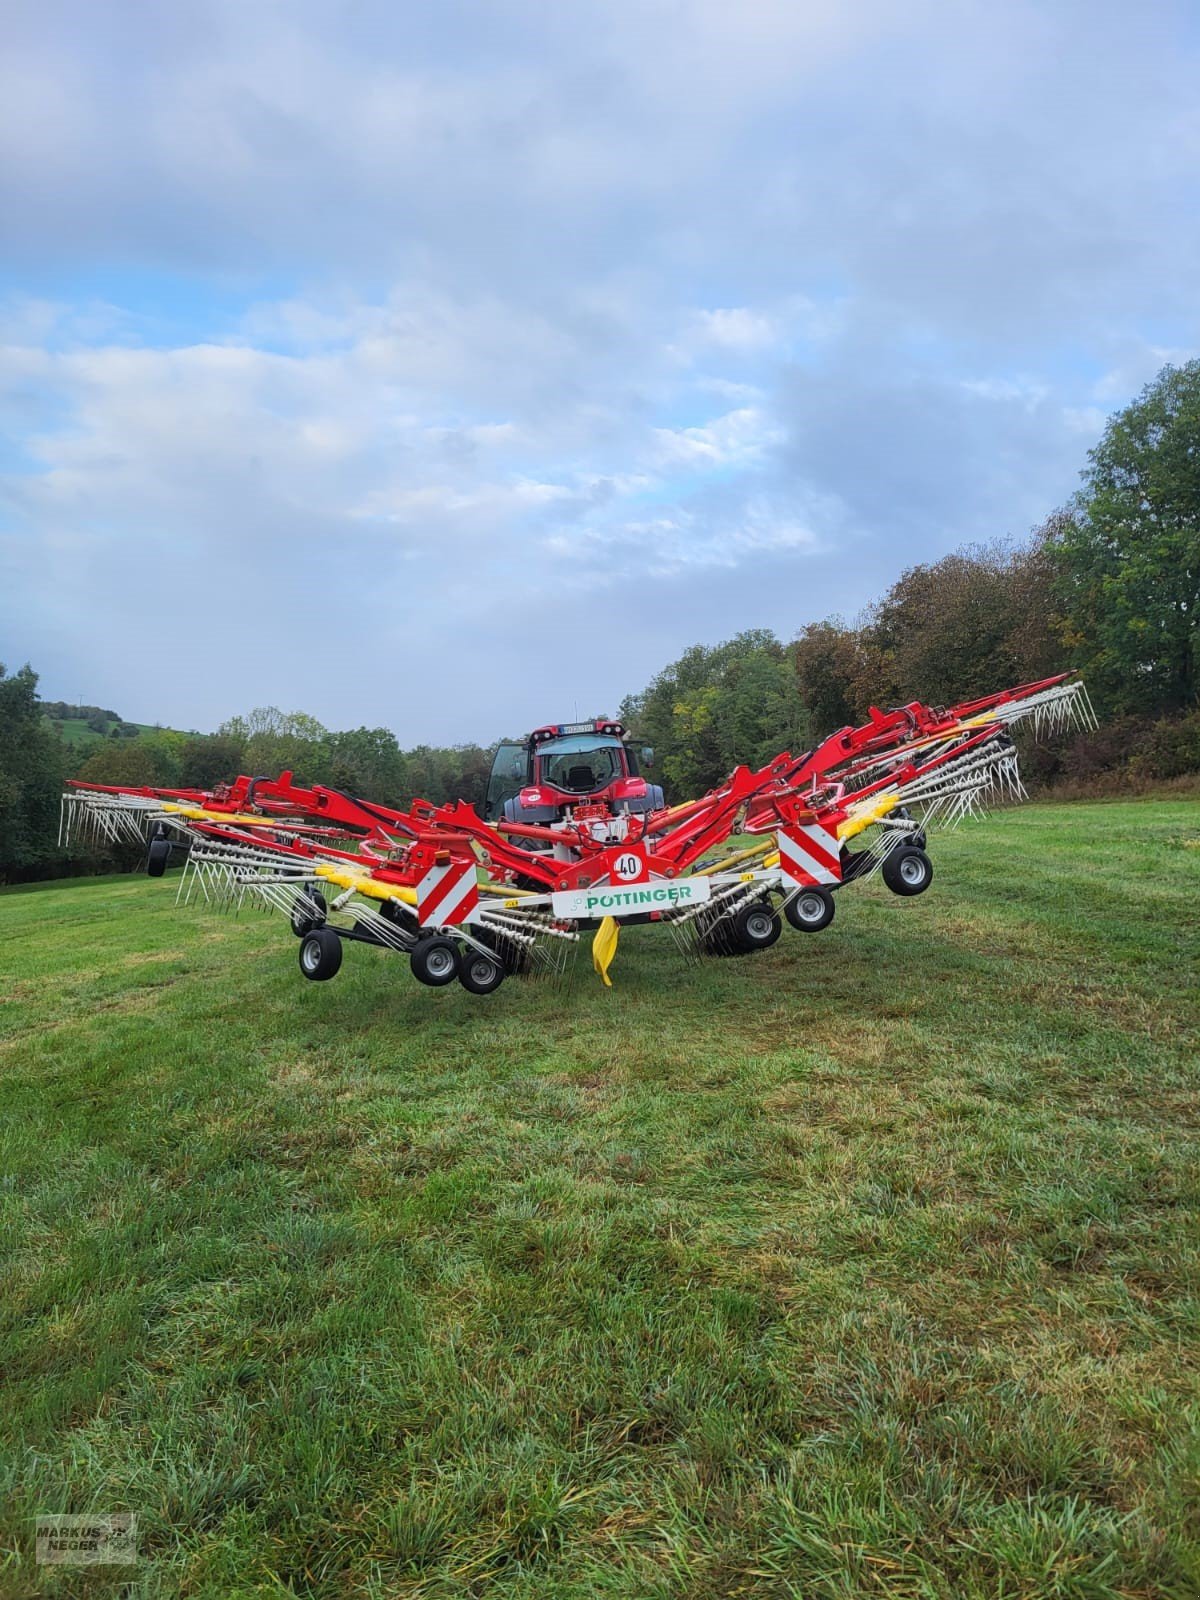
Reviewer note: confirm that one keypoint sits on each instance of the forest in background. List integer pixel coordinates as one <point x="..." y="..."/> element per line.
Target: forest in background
<point x="1109" y="585"/>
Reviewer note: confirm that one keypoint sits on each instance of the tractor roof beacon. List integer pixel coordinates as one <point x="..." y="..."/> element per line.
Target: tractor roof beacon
<point x="584" y="769"/>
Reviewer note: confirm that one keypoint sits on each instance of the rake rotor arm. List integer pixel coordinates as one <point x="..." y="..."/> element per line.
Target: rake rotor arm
<point x="281" y="797"/>
<point x="192" y="797"/>
<point x="993" y="702"/>
<point x="716" y="816"/>
<point x="910" y="770"/>
<point x="496" y="850"/>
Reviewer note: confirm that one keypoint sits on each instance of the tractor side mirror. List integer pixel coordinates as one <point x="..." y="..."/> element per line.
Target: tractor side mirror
<point x="647" y="755"/>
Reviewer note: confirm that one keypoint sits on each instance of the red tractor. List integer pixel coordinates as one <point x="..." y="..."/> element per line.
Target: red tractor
<point x="580" y="769"/>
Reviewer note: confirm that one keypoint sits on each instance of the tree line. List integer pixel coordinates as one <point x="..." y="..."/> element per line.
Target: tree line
<point x="35" y="763"/>
<point x="1109" y="585"/>
<point x="366" y="761"/>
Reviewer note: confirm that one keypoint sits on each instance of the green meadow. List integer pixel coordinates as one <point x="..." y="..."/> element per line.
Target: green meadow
<point x="76" y="733"/>
<point x="865" y="1266"/>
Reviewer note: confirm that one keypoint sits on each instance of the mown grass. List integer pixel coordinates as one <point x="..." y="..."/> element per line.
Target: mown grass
<point x="867" y="1266"/>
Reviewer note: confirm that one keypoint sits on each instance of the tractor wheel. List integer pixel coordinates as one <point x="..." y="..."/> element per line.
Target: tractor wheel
<point x="320" y="954"/>
<point x="481" y="974"/>
<point x="305" y="921"/>
<point x="158" y="858"/>
<point x="756" y="927"/>
<point x="810" y="910"/>
<point x="907" y="871"/>
<point x="435" y="961"/>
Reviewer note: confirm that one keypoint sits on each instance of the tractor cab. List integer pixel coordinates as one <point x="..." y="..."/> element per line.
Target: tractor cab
<point x="569" y="765"/>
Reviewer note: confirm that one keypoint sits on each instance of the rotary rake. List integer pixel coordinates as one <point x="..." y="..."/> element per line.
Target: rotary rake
<point x="478" y="901"/>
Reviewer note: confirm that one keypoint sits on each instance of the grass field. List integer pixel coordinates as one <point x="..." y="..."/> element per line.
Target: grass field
<point x="866" y="1266"/>
<point x="75" y="731"/>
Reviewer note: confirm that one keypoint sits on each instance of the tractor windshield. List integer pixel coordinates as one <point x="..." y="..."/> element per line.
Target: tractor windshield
<point x="510" y="774"/>
<point x="581" y="763"/>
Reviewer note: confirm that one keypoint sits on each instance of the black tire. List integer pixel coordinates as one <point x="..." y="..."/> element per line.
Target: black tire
<point x="435" y="961"/>
<point x="320" y="954"/>
<point x="158" y="858"/>
<point x="304" y="921"/>
<point x="810" y="910"/>
<point x="907" y="870"/>
<point x="756" y="926"/>
<point x="480" y="974"/>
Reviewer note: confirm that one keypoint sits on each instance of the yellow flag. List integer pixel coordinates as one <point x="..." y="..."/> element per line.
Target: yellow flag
<point x="604" y="948"/>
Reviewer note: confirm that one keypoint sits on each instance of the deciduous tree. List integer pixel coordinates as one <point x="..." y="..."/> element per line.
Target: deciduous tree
<point x="31" y="776"/>
<point x="1128" y="555"/>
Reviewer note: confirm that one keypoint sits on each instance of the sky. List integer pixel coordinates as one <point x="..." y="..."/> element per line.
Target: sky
<point x="452" y="368"/>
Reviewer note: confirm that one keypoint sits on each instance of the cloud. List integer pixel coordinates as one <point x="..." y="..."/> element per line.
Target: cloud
<point x="736" y="328"/>
<point x="333" y="348"/>
<point x="736" y="439"/>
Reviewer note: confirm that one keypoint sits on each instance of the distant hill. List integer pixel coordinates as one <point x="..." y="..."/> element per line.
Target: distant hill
<point x="80" y="725"/>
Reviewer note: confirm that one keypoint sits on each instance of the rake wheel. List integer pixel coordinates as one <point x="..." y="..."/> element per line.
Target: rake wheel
<point x="158" y="858"/>
<point x="810" y="910"/>
<point x="435" y="962"/>
<point x="320" y="954"/>
<point x="907" y="871"/>
<point x="756" y="926"/>
<point x="481" y="974"/>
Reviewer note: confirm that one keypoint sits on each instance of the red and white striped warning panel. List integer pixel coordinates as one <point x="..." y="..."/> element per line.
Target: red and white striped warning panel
<point x="447" y="895"/>
<point x="809" y="854"/>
